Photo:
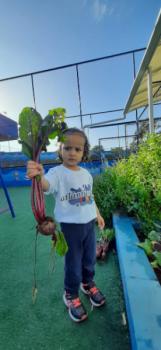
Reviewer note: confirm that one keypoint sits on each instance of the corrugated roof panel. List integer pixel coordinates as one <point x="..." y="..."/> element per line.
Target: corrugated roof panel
<point x="152" y="60"/>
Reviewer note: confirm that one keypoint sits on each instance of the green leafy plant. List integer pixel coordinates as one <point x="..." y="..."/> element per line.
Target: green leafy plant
<point x="152" y="248"/>
<point x="154" y="236"/>
<point x="105" y="194"/>
<point x="134" y="185"/>
<point x="103" y="242"/>
<point x="147" y="246"/>
<point x="107" y="234"/>
<point x="139" y="180"/>
<point x="157" y="262"/>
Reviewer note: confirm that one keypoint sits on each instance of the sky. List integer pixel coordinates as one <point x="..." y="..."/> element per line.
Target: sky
<point x="42" y="34"/>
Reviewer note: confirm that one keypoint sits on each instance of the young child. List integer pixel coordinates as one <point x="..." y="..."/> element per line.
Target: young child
<point x="76" y="211"/>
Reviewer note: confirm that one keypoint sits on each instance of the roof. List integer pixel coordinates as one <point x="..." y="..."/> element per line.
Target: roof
<point x="151" y="60"/>
<point x="8" y="129"/>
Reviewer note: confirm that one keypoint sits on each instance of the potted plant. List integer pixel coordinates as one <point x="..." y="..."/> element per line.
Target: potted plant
<point x="105" y="237"/>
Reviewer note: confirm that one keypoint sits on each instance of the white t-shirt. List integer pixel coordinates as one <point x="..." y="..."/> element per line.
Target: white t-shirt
<point x="73" y="194"/>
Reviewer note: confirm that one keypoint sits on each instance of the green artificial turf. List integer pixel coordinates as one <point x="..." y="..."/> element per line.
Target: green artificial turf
<point x="46" y="324"/>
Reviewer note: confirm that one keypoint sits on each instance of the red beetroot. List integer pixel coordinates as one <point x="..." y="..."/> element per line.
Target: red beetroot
<point x="105" y="248"/>
<point x="46" y="224"/>
<point x="102" y="249"/>
<point x="47" y="228"/>
<point x="99" y="250"/>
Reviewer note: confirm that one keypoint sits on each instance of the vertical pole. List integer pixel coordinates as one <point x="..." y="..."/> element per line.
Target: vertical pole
<point x="118" y="135"/>
<point x="7" y="195"/>
<point x="79" y="96"/>
<point x="91" y="124"/>
<point x="33" y="90"/>
<point x="150" y="99"/>
<point x="125" y="139"/>
<point x="136" y="113"/>
<point x="101" y="159"/>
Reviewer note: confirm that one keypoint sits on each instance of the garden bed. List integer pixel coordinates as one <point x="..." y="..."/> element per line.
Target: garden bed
<point x="141" y="238"/>
<point x="142" y="290"/>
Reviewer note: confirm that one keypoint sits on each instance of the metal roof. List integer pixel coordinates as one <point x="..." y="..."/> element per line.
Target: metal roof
<point x="151" y="61"/>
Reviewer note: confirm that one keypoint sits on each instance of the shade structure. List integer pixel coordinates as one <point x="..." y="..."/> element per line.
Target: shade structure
<point x="8" y="129"/>
<point x="151" y="63"/>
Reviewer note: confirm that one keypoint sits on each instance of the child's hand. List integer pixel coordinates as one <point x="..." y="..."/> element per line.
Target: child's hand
<point x="101" y="222"/>
<point x="34" y="169"/>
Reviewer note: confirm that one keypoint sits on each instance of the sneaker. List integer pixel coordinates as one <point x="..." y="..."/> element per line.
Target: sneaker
<point x="75" y="308"/>
<point x="96" y="297"/>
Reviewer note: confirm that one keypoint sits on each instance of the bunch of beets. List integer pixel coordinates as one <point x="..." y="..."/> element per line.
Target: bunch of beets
<point x="34" y="135"/>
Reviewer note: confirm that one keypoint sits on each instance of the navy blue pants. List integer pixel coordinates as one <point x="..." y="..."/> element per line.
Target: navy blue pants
<point x="81" y="256"/>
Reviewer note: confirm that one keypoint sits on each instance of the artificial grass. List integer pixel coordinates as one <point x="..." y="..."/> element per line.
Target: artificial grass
<point x="46" y="324"/>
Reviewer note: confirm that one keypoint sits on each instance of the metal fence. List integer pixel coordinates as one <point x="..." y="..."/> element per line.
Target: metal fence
<point x="102" y="119"/>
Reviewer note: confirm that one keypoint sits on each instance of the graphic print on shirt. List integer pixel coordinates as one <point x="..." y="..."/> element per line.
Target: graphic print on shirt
<point x="80" y="196"/>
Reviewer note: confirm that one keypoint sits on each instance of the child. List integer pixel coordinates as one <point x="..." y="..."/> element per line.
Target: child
<point x="76" y="211"/>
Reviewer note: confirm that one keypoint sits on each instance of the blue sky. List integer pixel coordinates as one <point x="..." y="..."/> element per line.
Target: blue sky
<point x="37" y="35"/>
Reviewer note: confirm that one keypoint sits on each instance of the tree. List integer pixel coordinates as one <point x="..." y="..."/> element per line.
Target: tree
<point x="96" y="153"/>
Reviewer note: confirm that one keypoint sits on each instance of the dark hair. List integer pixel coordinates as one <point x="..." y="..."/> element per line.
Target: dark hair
<point x="72" y="131"/>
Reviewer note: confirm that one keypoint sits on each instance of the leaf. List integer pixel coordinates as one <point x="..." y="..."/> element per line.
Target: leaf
<point x="26" y="149"/>
<point x="25" y="135"/>
<point x="53" y="134"/>
<point x="158" y="257"/>
<point x="35" y="132"/>
<point x="47" y="121"/>
<point x="157" y="225"/>
<point x="57" y="112"/>
<point x="147" y="246"/>
<point x="61" y="138"/>
<point x="30" y="123"/>
<point x="107" y="234"/>
<point x="154" y="264"/>
<point x="61" y="244"/>
<point x="154" y="235"/>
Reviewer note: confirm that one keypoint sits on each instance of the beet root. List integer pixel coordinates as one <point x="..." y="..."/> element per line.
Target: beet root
<point x="99" y="250"/>
<point x="47" y="227"/>
<point x="105" y="246"/>
<point x="102" y="249"/>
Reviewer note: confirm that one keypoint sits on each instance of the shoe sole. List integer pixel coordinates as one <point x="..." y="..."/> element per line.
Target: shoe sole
<point x="70" y="314"/>
<point x="92" y="302"/>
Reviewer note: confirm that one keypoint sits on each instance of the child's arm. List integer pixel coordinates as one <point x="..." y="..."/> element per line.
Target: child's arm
<point x="34" y="169"/>
<point x="100" y="219"/>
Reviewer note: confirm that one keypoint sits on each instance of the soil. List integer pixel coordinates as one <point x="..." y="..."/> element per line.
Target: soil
<point x="158" y="273"/>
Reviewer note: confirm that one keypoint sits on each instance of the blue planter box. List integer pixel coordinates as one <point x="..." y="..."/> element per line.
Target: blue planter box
<point x="142" y="290"/>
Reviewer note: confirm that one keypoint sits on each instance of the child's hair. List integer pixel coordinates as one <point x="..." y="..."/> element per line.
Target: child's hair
<point x="73" y="131"/>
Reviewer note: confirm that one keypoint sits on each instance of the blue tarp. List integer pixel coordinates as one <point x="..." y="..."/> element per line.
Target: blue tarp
<point x="16" y="175"/>
<point x="8" y="129"/>
<point x="12" y="158"/>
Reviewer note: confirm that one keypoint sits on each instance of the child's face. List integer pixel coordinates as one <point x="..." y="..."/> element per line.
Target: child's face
<point x="72" y="150"/>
